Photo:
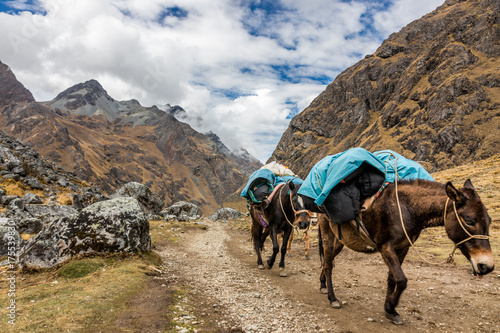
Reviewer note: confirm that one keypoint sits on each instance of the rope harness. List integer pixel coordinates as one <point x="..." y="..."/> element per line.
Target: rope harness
<point x="295" y="212"/>
<point x="459" y="218"/>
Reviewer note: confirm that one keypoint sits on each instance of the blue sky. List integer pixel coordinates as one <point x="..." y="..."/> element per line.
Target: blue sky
<point x="241" y="69"/>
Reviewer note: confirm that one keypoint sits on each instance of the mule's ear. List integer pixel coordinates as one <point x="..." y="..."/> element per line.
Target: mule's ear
<point x="291" y="185"/>
<point x="468" y="184"/>
<point x="454" y="194"/>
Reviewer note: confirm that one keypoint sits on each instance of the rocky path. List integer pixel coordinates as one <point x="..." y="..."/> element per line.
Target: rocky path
<point x="220" y="264"/>
<point x="256" y="303"/>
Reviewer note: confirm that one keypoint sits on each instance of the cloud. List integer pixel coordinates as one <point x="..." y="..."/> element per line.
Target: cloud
<point x="244" y="67"/>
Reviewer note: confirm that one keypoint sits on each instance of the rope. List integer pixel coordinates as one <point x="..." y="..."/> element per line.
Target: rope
<point x="450" y="257"/>
<point x="395" y="168"/>
<point x="461" y="222"/>
<point x="295" y="212"/>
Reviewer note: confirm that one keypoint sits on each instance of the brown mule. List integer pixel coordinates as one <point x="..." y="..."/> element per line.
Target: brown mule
<point x="423" y="204"/>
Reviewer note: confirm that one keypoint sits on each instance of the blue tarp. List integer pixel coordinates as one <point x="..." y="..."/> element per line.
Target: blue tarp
<point x="407" y="169"/>
<point x="271" y="177"/>
<point x="331" y="170"/>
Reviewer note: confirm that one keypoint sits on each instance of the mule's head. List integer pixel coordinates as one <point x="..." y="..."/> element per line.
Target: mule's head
<point x="301" y="215"/>
<point x="468" y="228"/>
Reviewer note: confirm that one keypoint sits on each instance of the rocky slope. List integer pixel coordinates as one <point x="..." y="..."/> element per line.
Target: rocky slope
<point x="430" y="92"/>
<point x="111" y="143"/>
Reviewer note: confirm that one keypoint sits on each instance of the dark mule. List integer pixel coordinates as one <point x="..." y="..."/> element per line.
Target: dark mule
<point x="423" y="204"/>
<point x="279" y="216"/>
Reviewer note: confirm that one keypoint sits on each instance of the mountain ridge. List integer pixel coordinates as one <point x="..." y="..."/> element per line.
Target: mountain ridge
<point x="110" y="143"/>
<point x="430" y="92"/>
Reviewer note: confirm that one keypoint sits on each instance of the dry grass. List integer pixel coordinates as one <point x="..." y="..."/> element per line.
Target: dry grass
<point x="81" y="295"/>
<point x="12" y="187"/>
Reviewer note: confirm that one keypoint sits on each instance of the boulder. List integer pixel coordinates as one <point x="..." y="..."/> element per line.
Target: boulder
<point x="225" y="214"/>
<point x="116" y="225"/>
<point x="182" y="211"/>
<point x="32" y="199"/>
<point x="33" y="183"/>
<point x="150" y="203"/>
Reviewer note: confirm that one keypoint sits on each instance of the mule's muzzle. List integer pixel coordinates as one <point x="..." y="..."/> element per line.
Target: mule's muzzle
<point x="484" y="269"/>
<point x="482" y="263"/>
<point x="303" y="224"/>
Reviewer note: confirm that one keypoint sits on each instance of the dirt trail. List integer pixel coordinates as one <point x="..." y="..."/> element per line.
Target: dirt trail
<point x="220" y="264"/>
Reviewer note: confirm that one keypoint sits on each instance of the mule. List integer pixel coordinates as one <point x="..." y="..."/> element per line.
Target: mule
<point x="279" y="216"/>
<point x="422" y="204"/>
<point x="313" y="221"/>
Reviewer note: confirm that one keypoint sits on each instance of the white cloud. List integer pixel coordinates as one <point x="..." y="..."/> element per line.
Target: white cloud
<point x="243" y="67"/>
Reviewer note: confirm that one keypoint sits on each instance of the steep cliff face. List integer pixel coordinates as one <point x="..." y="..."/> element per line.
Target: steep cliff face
<point x="430" y="92"/>
<point x="111" y="143"/>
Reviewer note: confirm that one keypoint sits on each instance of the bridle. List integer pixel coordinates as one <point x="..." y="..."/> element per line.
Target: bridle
<point x="461" y="222"/>
<point x="295" y="212"/>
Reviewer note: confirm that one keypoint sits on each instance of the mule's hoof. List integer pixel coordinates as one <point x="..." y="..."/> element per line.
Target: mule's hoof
<point x="283" y="272"/>
<point x="395" y="318"/>
<point x="335" y="304"/>
<point x="288" y="254"/>
<point x="260" y="266"/>
<point x="268" y="267"/>
<point x="308" y="257"/>
<point x="323" y="290"/>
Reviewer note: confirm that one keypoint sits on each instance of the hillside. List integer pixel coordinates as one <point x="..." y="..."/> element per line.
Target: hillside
<point x="430" y="92"/>
<point x="111" y="143"/>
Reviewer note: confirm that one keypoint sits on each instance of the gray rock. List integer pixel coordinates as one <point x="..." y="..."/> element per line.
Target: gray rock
<point x="87" y="197"/>
<point x="33" y="183"/>
<point x="225" y="214"/>
<point x="150" y="203"/>
<point x="116" y="225"/>
<point x="47" y="213"/>
<point x="183" y="211"/>
<point x="6" y="199"/>
<point x="24" y="222"/>
<point x="19" y="171"/>
<point x="11" y="176"/>
<point x="30" y="198"/>
<point x="16" y="202"/>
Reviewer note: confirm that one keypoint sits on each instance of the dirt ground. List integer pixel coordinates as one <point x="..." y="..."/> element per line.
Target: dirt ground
<point x="228" y="290"/>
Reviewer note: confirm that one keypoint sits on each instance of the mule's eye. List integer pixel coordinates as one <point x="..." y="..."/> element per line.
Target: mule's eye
<point x="469" y="221"/>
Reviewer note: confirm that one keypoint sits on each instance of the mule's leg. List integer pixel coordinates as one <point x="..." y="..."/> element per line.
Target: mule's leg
<point x="306" y="236"/>
<point x="276" y="248"/>
<point x="396" y="281"/>
<point x="286" y="238"/>
<point x="330" y="255"/>
<point x="331" y="247"/>
<point x="258" y="243"/>
<point x="289" y="246"/>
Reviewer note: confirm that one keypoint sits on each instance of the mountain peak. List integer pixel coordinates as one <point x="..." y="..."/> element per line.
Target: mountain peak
<point x="82" y="94"/>
<point x="11" y="90"/>
<point x="88" y="98"/>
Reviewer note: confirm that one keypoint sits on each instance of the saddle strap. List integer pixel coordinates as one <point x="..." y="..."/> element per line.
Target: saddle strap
<point x="358" y="223"/>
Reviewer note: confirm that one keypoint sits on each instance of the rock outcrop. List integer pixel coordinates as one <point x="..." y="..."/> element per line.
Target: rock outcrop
<point x="181" y="211"/>
<point x="115" y="225"/>
<point x="225" y="214"/>
<point x="150" y="203"/>
<point x="430" y="92"/>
